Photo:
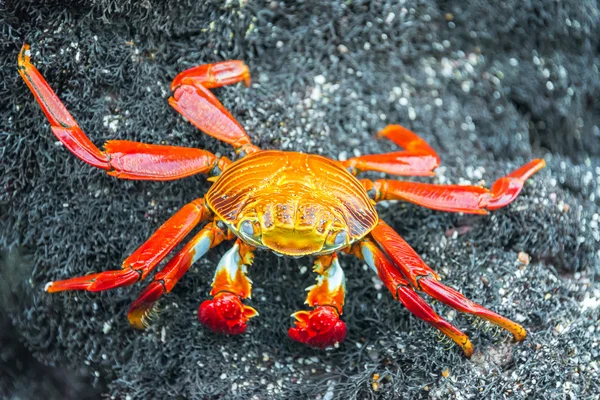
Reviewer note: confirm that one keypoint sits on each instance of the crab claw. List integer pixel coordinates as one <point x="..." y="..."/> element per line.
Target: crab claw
<point x="320" y="327"/>
<point x="225" y="314"/>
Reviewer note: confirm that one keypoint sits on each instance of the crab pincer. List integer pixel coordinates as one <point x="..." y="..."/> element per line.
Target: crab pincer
<point x="319" y="328"/>
<point x="322" y="327"/>
<point x="225" y="313"/>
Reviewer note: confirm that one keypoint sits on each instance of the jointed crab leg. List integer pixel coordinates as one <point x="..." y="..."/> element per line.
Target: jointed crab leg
<point x="63" y="124"/>
<point x="164" y="281"/>
<point x="213" y="76"/>
<point x="193" y="99"/>
<point x="121" y="158"/>
<point x="421" y="277"/>
<point x="419" y="159"/>
<point x="322" y="327"/>
<point x="368" y="251"/>
<point x="225" y="313"/>
<point x="139" y="264"/>
<point x="455" y="198"/>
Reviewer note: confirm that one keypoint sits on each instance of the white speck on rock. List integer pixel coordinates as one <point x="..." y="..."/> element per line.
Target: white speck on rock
<point x="111" y="121"/>
<point x="328" y="395"/>
<point x="590" y="303"/>
<point x="320" y="80"/>
<point x="412" y="114"/>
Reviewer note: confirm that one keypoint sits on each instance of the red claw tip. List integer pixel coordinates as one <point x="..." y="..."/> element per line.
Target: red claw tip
<point x="225" y="314"/>
<point x="319" y="328"/>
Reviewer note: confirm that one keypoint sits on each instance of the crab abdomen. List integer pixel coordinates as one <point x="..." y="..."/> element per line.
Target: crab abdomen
<point x="296" y="180"/>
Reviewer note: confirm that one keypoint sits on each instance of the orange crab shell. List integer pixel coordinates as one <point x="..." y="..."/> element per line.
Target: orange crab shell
<point x="294" y="200"/>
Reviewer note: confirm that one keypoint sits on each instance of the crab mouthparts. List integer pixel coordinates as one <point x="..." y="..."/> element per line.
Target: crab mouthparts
<point x="293" y="243"/>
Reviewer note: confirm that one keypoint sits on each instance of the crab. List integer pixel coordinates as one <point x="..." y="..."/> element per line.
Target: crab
<point x="290" y="203"/>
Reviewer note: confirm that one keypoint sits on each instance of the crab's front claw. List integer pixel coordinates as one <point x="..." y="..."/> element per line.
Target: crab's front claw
<point x="320" y="327"/>
<point x="225" y="313"/>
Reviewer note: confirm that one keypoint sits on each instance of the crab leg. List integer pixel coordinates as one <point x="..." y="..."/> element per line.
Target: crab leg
<point x="139" y="264"/>
<point x="455" y="198"/>
<point x="422" y="278"/>
<point x="368" y="251"/>
<point x="225" y="313"/>
<point x="321" y="327"/>
<point x="193" y="99"/>
<point x="164" y="281"/>
<point x="419" y="159"/>
<point x="121" y="158"/>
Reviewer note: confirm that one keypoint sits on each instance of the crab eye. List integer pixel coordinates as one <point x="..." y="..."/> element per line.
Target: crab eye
<point x="340" y="238"/>
<point x="247" y="228"/>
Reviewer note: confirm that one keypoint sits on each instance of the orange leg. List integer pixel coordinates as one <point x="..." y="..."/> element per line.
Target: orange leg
<point x="164" y="281"/>
<point x="322" y="327"/>
<point x="455" y="198"/>
<point x="121" y="158"/>
<point x="368" y="251"/>
<point x="225" y="313"/>
<point x="421" y="277"/>
<point x="139" y="264"/>
<point x="419" y="159"/>
<point x="193" y="99"/>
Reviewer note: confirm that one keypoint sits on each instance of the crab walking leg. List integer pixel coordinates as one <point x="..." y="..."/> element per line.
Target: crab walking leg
<point x="321" y="327"/>
<point x="421" y="277"/>
<point x="133" y="160"/>
<point x="139" y="264"/>
<point x="63" y="124"/>
<point x="455" y="198"/>
<point x="225" y="313"/>
<point x="122" y="159"/>
<point x="164" y="281"/>
<point x="193" y="99"/>
<point x="215" y="75"/>
<point x="419" y="159"/>
<point x="368" y="251"/>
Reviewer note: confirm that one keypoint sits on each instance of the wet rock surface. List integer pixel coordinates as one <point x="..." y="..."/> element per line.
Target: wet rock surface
<point x="488" y="86"/>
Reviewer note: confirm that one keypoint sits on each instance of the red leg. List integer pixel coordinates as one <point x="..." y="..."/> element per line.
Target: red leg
<point x="193" y="100"/>
<point x="368" y="251"/>
<point x="164" y="281"/>
<point x="225" y="313"/>
<point x="139" y="264"/>
<point x="419" y="159"/>
<point x="455" y="198"/>
<point x="133" y="160"/>
<point x="213" y="76"/>
<point x="123" y="159"/>
<point x="420" y="276"/>
<point x="322" y="327"/>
